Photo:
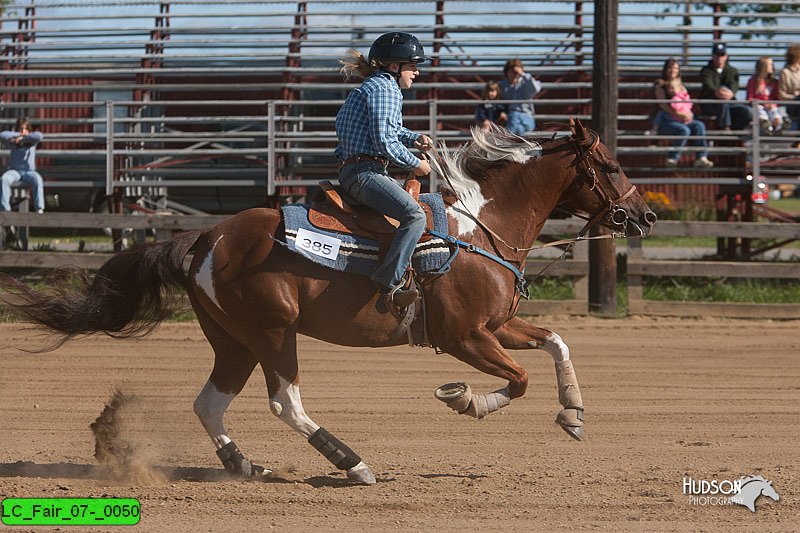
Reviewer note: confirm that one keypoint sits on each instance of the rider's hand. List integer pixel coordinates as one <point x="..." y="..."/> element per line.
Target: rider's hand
<point x="423" y="169"/>
<point x="424" y="143"/>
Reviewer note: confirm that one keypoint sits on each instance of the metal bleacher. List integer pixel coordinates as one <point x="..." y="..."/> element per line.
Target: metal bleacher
<point x="219" y="105"/>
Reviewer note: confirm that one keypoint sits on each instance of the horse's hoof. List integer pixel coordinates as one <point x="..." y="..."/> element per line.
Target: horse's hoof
<point x="456" y="395"/>
<point x="361" y="474"/>
<point x="571" y="420"/>
<point x="574" y="432"/>
<point x="257" y="471"/>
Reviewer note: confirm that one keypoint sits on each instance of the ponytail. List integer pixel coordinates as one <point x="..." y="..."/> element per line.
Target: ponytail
<point x="354" y="64"/>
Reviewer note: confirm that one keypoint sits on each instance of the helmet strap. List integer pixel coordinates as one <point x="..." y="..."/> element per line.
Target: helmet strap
<point x="395" y="75"/>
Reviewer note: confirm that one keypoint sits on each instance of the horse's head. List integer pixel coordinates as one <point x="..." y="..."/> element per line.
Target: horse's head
<point x="602" y="190"/>
<point x="769" y="491"/>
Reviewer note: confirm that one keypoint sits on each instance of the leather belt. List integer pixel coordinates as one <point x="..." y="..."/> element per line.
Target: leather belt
<point x="364" y="157"/>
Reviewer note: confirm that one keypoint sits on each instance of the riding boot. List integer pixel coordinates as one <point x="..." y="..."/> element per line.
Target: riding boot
<point x="402" y="297"/>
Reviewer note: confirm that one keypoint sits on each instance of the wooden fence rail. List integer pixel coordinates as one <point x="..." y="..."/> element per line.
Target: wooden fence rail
<point x="577" y="266"/>
<point x="639" y="267"/>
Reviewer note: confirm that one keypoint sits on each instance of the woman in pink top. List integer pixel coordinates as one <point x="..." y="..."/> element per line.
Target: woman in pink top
<point x="675" y="117"/>
<point x="764" y="87"/>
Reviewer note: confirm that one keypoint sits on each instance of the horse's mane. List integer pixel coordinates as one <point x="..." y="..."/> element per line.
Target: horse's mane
<point x="468" y="164"/>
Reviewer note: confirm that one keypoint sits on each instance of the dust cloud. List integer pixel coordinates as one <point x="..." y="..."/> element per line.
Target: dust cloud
<point x="117" y="449"/>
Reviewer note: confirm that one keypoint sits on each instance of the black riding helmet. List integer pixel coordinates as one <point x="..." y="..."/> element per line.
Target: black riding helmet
<point x="396" y="47"/>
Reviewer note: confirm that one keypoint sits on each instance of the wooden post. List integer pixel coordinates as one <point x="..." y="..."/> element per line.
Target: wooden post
<point x="602" y="253"/>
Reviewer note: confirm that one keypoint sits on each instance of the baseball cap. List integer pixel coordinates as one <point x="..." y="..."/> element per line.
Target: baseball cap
<point x="719" y="50"/>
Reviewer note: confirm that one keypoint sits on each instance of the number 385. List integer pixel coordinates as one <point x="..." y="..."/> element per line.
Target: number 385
<point x="316" y="246"/>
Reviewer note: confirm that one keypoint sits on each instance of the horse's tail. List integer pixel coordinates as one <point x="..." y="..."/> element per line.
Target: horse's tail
<point x="129" y="296"/>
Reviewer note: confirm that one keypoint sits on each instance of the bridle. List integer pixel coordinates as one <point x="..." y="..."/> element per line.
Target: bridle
<point x="618" y="215"/>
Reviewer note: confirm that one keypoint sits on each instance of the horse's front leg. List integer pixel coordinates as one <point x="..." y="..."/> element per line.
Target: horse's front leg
<point x="480" y="349"/>
<point x="517" y="334"/>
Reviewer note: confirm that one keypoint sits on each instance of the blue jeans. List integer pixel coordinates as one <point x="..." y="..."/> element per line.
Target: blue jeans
<point x="730" y="114"/>
<point x="31" y="178"/>
<point x="520" y="123"/>
<point x="794" y="114"/>
<point x="368" y="184"/>
<point x="667" y="125"/>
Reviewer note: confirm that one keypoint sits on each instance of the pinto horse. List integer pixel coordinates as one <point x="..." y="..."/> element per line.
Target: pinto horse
<point x="252" y="297"/>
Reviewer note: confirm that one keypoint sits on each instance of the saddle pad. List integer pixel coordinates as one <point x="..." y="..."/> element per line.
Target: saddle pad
<point x="356" y="254"/>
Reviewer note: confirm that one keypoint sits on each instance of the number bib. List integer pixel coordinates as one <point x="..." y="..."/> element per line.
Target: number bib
<point x="317" y="244"/>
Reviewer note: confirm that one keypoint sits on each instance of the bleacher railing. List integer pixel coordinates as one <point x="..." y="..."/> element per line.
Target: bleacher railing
<point x="282" y="145"/>
<point x="277" y="60"/>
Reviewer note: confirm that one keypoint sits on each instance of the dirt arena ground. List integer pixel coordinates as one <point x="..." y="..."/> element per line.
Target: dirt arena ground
<point x="665" y="399"/>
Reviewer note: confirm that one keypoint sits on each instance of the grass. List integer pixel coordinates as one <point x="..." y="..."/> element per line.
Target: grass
<point x="722" y="290"/>
<point x="682" y="289"/>
<point x="789" y="205"/>
<point x="552" y="288"/>
<point x="690" y="289"/>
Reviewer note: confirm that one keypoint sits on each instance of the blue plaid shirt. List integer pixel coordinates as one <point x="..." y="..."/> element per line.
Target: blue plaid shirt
<point x="371" y="122"/>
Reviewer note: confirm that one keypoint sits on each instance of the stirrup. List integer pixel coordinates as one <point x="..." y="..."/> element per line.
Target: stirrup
<point x="402" y="298"/>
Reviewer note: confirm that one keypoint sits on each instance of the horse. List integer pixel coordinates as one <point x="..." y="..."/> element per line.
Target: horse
<point x="751" y="488"/>
<point x="252" y="297"/>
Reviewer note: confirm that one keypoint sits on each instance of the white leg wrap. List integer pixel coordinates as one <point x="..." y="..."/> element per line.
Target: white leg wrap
<point x="483" y="404"/>
<point x="459" y="397"/>
<point x="569" y="394"/>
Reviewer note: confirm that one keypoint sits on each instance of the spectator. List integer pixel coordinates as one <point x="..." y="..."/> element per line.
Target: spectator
<point x="789" y="86"/>
<point x="22" y="143"/>
<point x="487" y="112"/>
<point x="676" y="117"/>
<point x="721" y="82"/>
<point x="763" y="86"/>
<point x="519" y="85"/>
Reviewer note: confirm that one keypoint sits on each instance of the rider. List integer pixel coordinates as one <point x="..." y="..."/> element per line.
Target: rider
<point x="371" y="136"/>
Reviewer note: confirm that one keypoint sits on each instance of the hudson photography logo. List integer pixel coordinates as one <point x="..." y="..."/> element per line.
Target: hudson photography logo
<point x="743" y="491"/>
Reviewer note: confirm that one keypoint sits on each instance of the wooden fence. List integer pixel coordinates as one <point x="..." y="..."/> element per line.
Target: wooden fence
<point x="164" y="225"/>
<point x="576" y="267"/>
<point x="638" y="267"/>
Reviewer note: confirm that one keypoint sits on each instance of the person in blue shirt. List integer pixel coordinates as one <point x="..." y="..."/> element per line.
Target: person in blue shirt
<point x="488" y="112"/>
<point x="519" y="85"/>
<point x="21" y="141"/>
<point x="371" y="136"/>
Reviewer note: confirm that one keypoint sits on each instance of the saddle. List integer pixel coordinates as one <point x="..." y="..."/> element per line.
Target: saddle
<point x="338" y="212"/>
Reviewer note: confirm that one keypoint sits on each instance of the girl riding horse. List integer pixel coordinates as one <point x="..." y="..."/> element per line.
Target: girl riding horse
<point x="253" y="297"/>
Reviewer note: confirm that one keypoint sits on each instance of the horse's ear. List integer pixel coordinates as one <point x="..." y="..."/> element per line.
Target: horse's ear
<point x="577" y="128"/>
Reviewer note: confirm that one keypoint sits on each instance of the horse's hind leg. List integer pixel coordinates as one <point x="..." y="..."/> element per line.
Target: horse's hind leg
<point x="233" y="364"/>
<point x="517" y="334"/>
<point x="283" y="381"/>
